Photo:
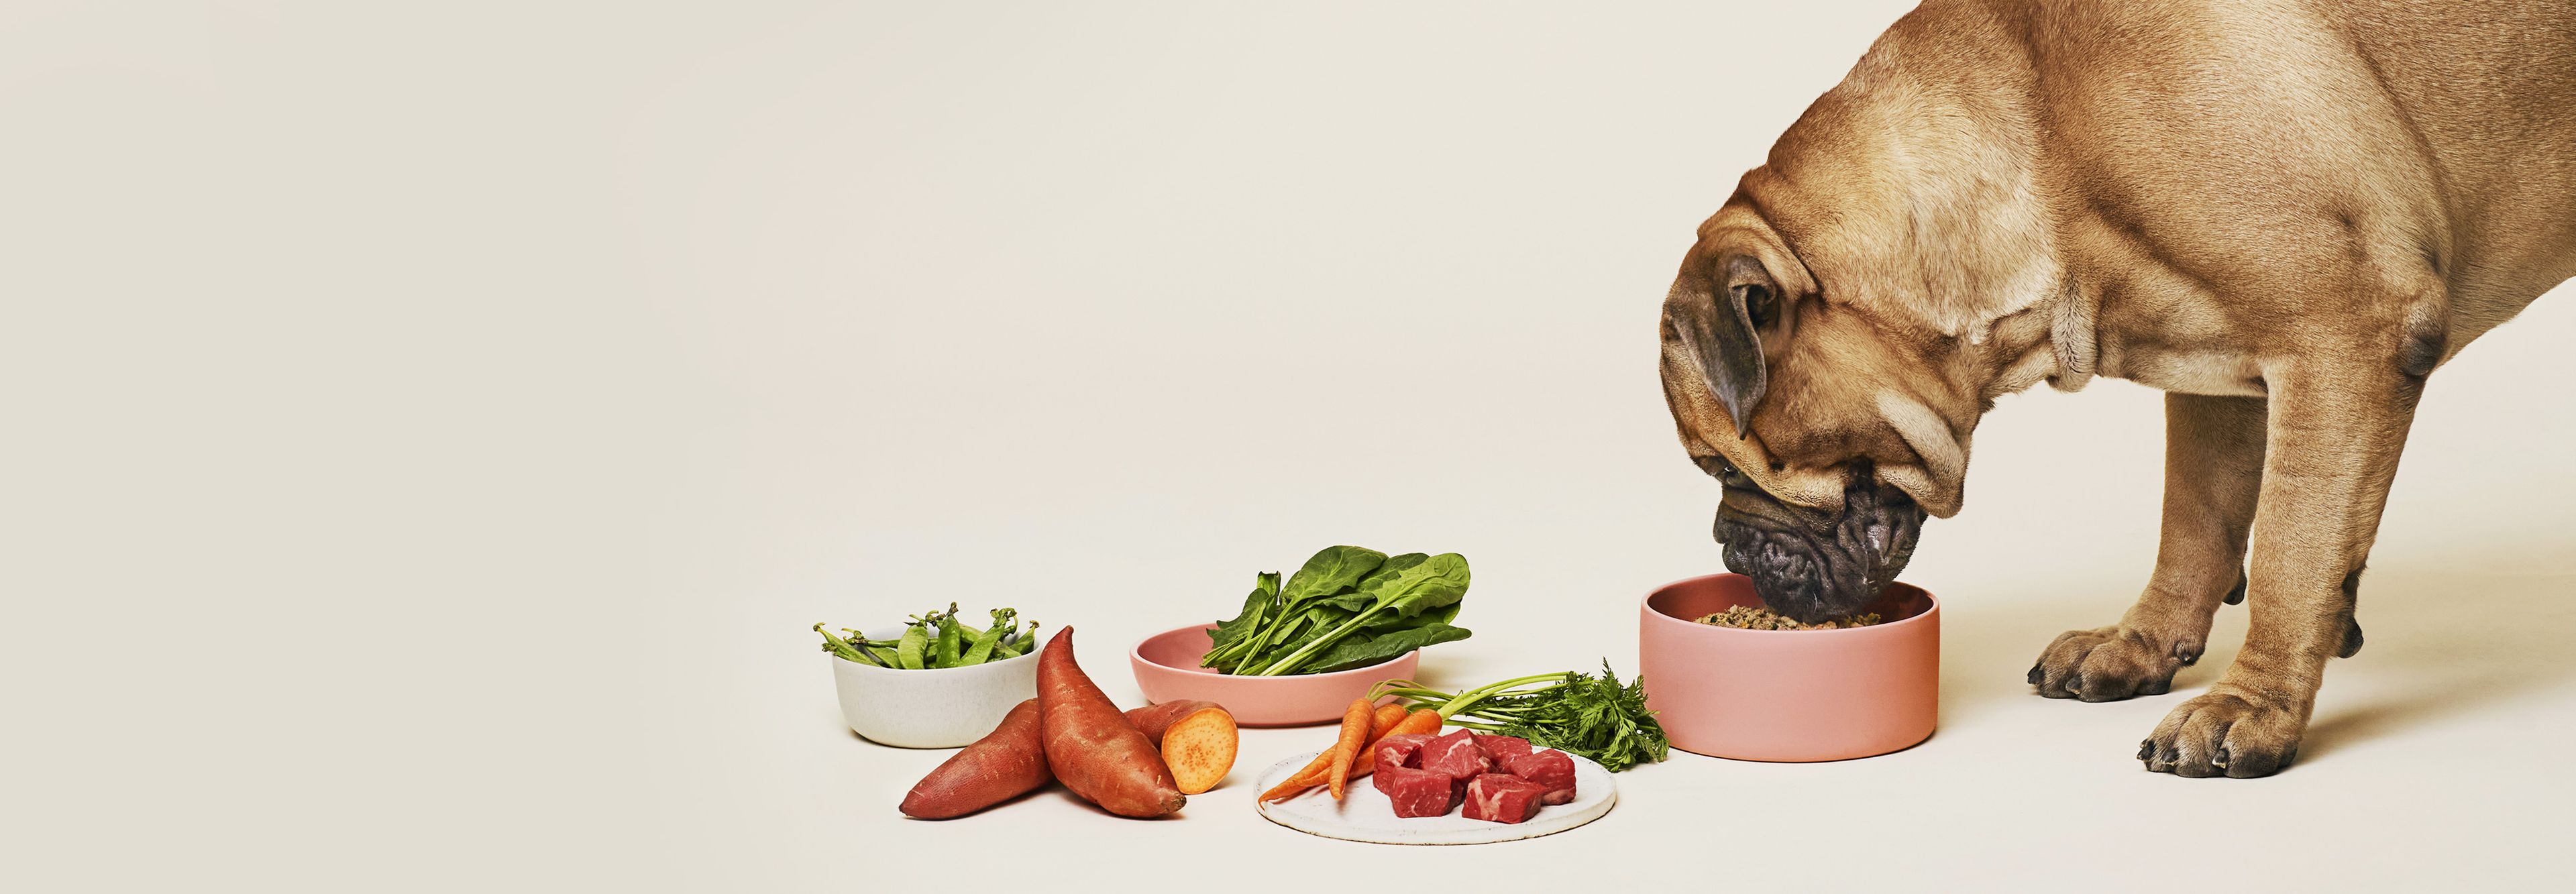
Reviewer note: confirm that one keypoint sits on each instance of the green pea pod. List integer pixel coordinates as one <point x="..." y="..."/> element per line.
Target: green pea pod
<point x="952" y="643"/>
<point x="981" y="650"/>
<point x="908" y="650"/>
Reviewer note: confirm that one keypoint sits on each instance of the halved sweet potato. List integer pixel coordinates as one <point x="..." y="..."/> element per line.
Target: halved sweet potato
<point x="1197" y="740"/>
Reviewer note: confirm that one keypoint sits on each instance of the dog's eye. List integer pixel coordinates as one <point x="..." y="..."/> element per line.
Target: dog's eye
<point x="1726" y="474"/>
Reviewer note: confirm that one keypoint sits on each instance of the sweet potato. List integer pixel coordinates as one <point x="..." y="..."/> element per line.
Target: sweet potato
<point x="1006" y="763"/>
<point x="1091" y="747"/>
<point x="1198" y="740"/>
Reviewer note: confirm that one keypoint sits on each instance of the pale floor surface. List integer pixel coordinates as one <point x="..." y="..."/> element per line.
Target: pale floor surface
<point x="2435" y="759"/>
<point x="433" y="427"/>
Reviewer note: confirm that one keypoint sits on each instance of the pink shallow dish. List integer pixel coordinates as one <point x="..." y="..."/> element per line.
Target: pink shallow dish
<point x="1167" y="669"/>
<point x="1789" y="695"/>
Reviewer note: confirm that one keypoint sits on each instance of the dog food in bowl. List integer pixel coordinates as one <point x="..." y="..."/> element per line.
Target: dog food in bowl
<point x="1798" y="695"/>
<point x="1754" y="617"/>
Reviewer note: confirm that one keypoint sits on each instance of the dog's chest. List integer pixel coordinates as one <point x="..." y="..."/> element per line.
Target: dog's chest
<point x="2185" y="370"/>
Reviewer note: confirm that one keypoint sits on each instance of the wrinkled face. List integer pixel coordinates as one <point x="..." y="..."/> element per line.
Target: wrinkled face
<point x="1813" y="415"/>
<point x="1815" y="565"/>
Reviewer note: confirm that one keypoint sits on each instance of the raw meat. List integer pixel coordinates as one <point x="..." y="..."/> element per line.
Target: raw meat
<point x="1496" y="748"/>
<point x="1454" y="755"/>
<point x="1495" y="797"/>
<point x="1549" y="768"/>
<point x="1401" y="751"/>
<point x="1416" y="792"/>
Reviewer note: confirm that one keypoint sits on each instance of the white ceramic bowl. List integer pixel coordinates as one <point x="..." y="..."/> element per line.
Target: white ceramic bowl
<point x="942" y="708"/>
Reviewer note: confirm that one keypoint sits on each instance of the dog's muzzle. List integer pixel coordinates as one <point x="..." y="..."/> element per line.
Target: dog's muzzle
<point x="1816" y="566"/>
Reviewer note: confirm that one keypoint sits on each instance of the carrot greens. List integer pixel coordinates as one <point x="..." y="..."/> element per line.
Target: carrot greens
<point x="1570" y="711"/>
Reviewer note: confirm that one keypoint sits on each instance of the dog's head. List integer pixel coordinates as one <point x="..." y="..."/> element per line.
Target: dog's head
<point x="1854" y="308"/>
<point x="1833" y="424"/>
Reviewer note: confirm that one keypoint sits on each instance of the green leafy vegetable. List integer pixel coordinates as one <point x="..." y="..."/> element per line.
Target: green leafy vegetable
<point x="1236" y="636"/>
<point x="1346" y="607"/>
<point x="1575" y="712"/>
<point x="1362" y="651"/>
<point x="1407" y="585"/>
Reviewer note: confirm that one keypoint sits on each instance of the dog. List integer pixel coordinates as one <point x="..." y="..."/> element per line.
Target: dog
<point x="2285" y="215"/>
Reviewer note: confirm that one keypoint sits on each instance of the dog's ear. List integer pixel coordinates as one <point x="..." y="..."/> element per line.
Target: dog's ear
<point x="1722" y="327"/>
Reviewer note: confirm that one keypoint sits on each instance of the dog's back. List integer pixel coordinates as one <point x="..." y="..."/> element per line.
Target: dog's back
<point x="2488" y="87"/>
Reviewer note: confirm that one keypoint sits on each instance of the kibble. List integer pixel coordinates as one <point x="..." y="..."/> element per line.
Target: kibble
<point x="1751" y="618"/>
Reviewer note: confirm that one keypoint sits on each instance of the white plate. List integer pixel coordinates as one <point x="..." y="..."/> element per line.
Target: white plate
<point x="1364" y="813"/>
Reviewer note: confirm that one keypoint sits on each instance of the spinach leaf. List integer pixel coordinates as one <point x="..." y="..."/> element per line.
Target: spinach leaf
<point x="1329" y="571"/>
<point x="1404" y="586"/>
<point x="1363" y="650"/>
<point x="1344" y="603"/>
<point x="1233" y="637"/>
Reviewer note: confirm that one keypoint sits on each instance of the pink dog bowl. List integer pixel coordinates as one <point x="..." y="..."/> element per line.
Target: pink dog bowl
<point x="1789" y="695"/>
<point x="1167" y="669"/>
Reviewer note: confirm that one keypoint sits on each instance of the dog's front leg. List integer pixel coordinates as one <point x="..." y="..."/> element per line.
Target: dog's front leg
<point x="2337" y="422"/>
<point x="2213" y="473"/>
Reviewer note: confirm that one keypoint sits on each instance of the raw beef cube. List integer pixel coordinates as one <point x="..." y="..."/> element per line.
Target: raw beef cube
<point x="1455" y="754"/>
<point x="1415" y="792"/>
<point x="1550" y="768"/>
<point x="1497" y="748"/>
<point x="1401" y="751"/>
<point x="1498" y="798"/>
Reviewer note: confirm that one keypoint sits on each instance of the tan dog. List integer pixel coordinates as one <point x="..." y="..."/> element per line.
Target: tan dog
<point x="2285" y="214"/>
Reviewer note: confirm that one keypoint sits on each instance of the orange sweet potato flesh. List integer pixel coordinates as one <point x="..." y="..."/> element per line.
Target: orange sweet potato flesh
<point x="1091" y="747"/>
<point x="1007" y="763"/>
<point x="1198" y="740"/>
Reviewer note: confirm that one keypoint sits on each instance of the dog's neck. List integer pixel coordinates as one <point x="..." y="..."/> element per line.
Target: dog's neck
<point x="1915" y="190"/>
<point x="2051" y="341"/>
<point x="1923" y="199"/>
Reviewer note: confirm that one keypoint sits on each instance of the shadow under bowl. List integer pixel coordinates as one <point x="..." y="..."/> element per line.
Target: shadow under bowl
<point x="1789" y="695"/>
<point x="1167" y="669"/>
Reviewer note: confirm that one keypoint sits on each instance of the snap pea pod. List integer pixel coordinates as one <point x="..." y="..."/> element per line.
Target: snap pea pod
<point x="937" y="639"/>
<point x="981" y="649"/>
<point x="952" y="639"/>
<point x="908" y="652"/>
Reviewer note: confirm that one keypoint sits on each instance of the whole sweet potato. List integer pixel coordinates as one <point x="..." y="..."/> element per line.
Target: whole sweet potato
<point x="1091" y="747"/>
<point x="1006" y="763"/>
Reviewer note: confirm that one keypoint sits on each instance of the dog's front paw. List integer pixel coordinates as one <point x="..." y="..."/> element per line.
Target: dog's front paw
<point x="2227" y="731"/>
<point x="2111" y="663"/>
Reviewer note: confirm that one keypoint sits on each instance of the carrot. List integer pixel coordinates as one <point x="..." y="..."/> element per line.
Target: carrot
<point x="1420" y="721"/>
<point x="1198" y="740"/>
<point x="1355" y="730"/>
<point x="1004" y="764"/>
<point x="1305" y="778"/>
<point x="1319" y="770"/>
<point x="1089" y="744"/>
<point x="1387" y="716"/>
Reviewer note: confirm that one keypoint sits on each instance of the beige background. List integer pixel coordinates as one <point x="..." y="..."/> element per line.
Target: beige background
<point x="431" y="432"/>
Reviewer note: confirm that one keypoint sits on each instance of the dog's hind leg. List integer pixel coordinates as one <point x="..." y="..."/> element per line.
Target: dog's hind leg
<point x="2213" y="474"/>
